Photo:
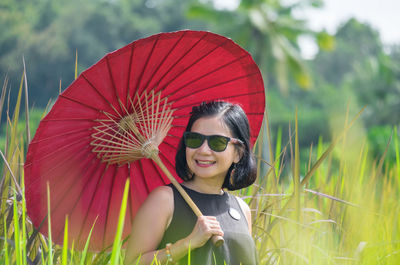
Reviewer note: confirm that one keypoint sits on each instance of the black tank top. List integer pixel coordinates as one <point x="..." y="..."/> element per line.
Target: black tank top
<point x="239" y="246"/>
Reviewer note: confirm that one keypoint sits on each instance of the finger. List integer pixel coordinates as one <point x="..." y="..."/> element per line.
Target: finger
<point x="210" y="217"/>
<point x="217" y="232"/>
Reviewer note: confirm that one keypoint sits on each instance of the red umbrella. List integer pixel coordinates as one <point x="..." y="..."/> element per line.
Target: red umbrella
<point x="137" y="97"/>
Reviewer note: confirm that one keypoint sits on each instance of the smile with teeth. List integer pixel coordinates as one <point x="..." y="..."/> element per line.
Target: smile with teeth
<point x="204" y="163"/>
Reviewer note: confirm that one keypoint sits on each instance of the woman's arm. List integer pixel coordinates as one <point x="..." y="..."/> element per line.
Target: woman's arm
<point x="149" y="226"/>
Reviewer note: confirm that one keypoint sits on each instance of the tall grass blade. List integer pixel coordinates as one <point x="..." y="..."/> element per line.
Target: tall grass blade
<point x="76" y="64"/>
<point x="85" y="250"/>
<point x="319" y="173"/>
<point x="28" y="131"/>
<point x="278" y="150"/>
<point x="189" y="257"/>
<point x="42" y="258"/>
<point x="396" y="146"/>
<point x="382" y="159"/>
<point x="17" y="238"/>
<point x="271" y="153"/>
<point x="362" y="163"/>
<point x="3" y="95"/>
<point x="296" y="173"/>
<point x="64" y="259"/>
<point x="18" y="188"/>
<point x="50" y="249"/>
<point x="5" y="246"/>
<point x="121" y="222"/>
<point x="23" y="216"/>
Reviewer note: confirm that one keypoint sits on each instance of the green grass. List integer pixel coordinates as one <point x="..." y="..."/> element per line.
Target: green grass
<point x="330" y="204"/>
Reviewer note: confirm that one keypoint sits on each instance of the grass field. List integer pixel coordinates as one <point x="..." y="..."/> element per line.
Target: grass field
<point x="337" y="205"/>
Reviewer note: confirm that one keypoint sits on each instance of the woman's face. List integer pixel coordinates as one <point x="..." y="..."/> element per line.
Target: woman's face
<point x="204" y="162"/>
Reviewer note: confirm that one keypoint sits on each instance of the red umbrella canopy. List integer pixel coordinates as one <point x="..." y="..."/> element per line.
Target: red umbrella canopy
<point x="181" y="69"/>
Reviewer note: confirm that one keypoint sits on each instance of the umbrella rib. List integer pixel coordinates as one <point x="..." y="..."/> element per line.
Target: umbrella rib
<point x="55" y="167"/>
<point x="179" y="59"/>
<point x="160" y="172"/>
<point x="87" y="165"/>
<point x="143" y="128"/>
<point x="81" y="139"/>
<point x="100" y="179"/>
<point x="166" y="159"/>
<point x="152" y="118"/>
<point x="194" y="63"/>
<point x="226" y="97"/>
<point x="128" y="81"/>
<point x="206" y="74"/>
<point x="60" y="135"/>
<point x="55" y="207"/>
<point x="146" y="63"/>
<point x="108" y="207"/>
<point x="165" y="58"/>
<point x="66" y="119"/>
<point x="143" y="174"/>
<point x="114" y="87"/>
<point x="123" y="139"/>
<point x="212" y="86"/>
<point x="101" y="95"/>
<point x="170" y="145"/>
<point x="167" y="121"/>
<point x="117" y="132"/>
<point x="156" y="113"/>
<point x="78" y="102"/>
<point x="145" y="125"/>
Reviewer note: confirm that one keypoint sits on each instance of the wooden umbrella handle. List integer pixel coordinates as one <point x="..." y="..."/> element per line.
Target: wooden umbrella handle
<point x="217" y="240"/>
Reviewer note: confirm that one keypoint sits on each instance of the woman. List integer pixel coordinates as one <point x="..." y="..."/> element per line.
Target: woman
<point x="213" y="154"/>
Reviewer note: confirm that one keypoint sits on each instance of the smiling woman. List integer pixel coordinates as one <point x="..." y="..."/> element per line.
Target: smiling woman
<point x="214" y="154"/>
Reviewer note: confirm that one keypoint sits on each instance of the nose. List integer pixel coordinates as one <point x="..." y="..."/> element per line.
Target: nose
<point x="204" y="147"/>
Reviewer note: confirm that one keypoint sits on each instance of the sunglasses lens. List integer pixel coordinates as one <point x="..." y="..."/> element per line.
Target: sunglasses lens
<point x="218" y="143"/>
<point x="193" y="140"/>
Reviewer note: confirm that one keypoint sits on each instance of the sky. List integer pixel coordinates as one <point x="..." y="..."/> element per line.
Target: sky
<point x="383" y="15"/>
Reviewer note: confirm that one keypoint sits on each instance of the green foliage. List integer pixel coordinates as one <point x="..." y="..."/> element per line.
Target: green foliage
<point x="354" y="43"/>
<point x="269" y="31"/>
<point x="35" y="116"/>
<point x="49" y="33"/>
<point x="378" y="138"/>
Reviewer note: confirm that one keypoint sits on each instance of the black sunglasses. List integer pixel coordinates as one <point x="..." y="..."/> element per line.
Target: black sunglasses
<point x="217" y="143"/>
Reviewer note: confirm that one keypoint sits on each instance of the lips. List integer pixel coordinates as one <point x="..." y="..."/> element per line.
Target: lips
<point x="205" y="163"/>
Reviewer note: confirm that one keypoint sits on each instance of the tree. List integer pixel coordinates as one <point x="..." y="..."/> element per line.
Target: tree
<point x="49" y="33"/>
<point x="355" y="41"/>
<point x="270" y="32"/>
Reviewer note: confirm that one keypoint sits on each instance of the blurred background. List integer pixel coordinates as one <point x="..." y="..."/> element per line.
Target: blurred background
<point x="327" y="59"/>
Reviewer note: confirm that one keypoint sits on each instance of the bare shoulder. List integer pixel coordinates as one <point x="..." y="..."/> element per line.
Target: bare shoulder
<point x="162" y="195"/>
<point x="246" y="211"/>
<point x="244" y="206"/>
<point x="162" y="192"/>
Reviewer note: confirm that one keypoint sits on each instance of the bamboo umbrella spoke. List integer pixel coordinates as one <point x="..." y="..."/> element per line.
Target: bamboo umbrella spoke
<point x="137" y="134"/>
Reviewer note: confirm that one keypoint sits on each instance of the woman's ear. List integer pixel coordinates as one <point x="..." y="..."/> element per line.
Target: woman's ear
<point x="239" y="150"/>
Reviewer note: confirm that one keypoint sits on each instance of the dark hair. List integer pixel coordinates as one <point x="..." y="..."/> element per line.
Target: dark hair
<point x="245" y="171"/>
